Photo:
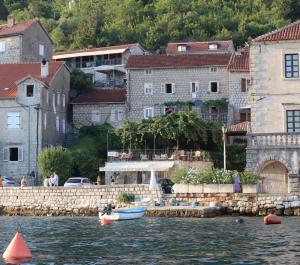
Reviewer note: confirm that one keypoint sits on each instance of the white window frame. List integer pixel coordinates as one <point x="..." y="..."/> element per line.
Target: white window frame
<point x="213" y="69"/>
<point x="148" y="71"/>
<point x="164" y="89"/>
<point x="147" y="111"/>
<point x="6" y="153"/>
<point x="63" y="99"/>
<point x="57" y="123"/>
<point x="2" y="47"/>
<point x="13" y="120"/>
<point x="96" y="116"/>
<point x="182" y="48"/>
<point x="196" y="86"/>
<point x="148" y="88"/>
<point x="63" y="125"/>
<point x="41" y="49"/>
<point x="58" y="99"/>
<point x="218" y="86"/>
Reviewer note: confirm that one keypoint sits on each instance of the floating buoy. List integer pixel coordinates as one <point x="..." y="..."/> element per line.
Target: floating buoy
<point x="272" y="219"/>
<point x="17" y="249"/>
<point x="239" y="221"/>
<point x="105" y="221"/>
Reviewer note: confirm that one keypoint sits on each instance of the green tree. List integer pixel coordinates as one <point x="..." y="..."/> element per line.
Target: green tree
<point x="56" y="159"/>
<point x="80" y="81"/>
<point x="3" y="11"/>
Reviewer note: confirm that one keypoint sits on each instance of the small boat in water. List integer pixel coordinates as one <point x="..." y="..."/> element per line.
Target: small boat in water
<point x="123" y="214"/>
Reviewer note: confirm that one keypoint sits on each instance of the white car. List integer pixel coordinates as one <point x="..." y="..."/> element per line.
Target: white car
<point x="78" y="182"/>
<point x="8" y="182"/>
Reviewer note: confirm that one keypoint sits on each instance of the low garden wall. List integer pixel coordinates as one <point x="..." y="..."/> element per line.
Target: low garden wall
<point x="66" y="200"/>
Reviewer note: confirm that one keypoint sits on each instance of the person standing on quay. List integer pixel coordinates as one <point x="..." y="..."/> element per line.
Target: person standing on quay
<point x="54" y="179"/>
<point x="23" y="182"/>
<point x="1" y="182"/>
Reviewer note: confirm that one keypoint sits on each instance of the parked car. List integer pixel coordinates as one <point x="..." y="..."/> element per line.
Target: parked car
<point x="78" y="182"/>
<point x="8" y="181"/>
<point x="166" y="185"/>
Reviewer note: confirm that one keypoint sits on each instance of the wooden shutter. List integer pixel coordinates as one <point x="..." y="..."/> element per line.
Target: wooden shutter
<point x="243" y="85"/>
<point x="5" y="154"/>
<point x="20" y="153"/>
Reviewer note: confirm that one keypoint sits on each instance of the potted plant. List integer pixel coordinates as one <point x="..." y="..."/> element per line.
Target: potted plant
<point x="249" y="182"/>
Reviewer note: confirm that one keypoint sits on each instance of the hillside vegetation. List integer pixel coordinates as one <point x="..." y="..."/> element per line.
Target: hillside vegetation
<point x="92" y="23"/>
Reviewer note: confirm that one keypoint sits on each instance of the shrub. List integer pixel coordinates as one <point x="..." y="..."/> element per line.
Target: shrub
<point x="248" y="177"/>
<point x="56" y="159"/>
<point x="125" y="198"/>
<point x="179" y="175"/>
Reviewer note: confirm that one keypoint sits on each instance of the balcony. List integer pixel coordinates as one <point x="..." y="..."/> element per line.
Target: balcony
<point x="274" y="140"/>
<point x="158" y="155"/>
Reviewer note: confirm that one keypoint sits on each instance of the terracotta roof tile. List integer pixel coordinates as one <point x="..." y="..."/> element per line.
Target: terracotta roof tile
<point x="239" y="62"/>
<point x="10" y="74"/>
<point x="17" y="29"/>
<point x="288" y="32"/>
<point x="199" y="46"/>
<point x="176" y="61"/>
<point x="125" y="46"/>
<point x="112" y="95"/>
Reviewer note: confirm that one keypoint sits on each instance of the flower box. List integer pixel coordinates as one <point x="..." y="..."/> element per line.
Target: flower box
<point x="226" y="188"/>
<point x="250" y="188"/>
<point x="195" y="188"/>
<point x="181" y="188"/>
<point x="218" y="188"/>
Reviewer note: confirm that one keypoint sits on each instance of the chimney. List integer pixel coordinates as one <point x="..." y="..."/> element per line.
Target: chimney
<point x="10" y="21"/>
<point x="44" y="68"/>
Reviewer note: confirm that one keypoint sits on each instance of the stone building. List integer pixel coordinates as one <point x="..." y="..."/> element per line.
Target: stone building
<point x="105" y="65"/>
<point x="100" y="106"/>
<point x="274" y="142"/>
<point x="155" y="81"/>
<point x="200" y="47"/>
<point x="25" y="41"/>
<point x="33" y="99"/>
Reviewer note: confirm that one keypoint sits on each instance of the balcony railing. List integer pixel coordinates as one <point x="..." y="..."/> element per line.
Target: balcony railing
<point x="283" y="140"/>
<point x="158" y="155"/>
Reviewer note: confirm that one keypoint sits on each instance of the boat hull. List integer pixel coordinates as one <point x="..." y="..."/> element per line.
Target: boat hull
<point x="126" y="214"/>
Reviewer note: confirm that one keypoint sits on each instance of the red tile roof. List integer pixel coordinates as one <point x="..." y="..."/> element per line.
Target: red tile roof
<point x="125" y="46"/>
<point x="176" y="61"/>
<point x="241" y="127"/>
<point x="10" y="74"/>
<point x="112" y="95"/>
<point x="288" y="32"/>
<point x="16" y="29"/>
<point x="239" y="61"/>
<point x="199" y="46"/>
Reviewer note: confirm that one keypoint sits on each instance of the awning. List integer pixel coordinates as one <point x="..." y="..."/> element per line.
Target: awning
<point x="245" y="107"/>
<point x="137" y="166"/>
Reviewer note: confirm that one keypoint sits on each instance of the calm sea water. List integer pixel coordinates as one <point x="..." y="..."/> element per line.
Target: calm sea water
<point x="151" y="241"/>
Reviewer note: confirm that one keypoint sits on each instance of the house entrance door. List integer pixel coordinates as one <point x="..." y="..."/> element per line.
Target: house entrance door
<point x="274" y="178"/>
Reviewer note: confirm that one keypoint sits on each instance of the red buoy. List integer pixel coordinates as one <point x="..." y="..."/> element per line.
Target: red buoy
<point x="105" y="221"/>
<point x="17" y="249"/>
<point x="272" y="219"/>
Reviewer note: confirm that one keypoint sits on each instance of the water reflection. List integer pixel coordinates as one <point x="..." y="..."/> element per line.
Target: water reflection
<point x="153" y="241"/>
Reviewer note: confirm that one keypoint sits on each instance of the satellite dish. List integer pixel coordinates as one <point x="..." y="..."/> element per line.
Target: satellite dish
<point x="198" y="103"/>
<point x="73" y="93"/>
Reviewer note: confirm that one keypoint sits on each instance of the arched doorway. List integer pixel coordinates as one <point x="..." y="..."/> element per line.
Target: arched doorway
<point x="274" y="178"/>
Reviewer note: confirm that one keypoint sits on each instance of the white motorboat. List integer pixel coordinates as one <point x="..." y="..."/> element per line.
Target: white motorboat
<point x="123" y="214"/>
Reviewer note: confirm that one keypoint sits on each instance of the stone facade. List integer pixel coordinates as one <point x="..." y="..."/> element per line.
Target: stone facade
<point x="182" y="78"/>
<point x="25" y="46"/>
<point x="88" y="114"/>
<point x="39" y="117"/>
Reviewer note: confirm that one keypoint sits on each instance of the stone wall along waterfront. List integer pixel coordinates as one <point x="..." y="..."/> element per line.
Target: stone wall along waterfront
<point x="66" y="200"/>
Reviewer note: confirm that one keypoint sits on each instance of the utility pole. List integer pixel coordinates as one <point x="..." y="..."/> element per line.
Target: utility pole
<point x="224" y="146"/>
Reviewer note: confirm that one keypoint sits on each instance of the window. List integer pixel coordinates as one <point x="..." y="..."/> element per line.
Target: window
<point x="213" y="69"/>
<point x="63" y="126"/>
<point x="2" y="46"/>
<point x="213" y="46"/>
<point x="58" y="98"/>
<point x="148" y="89"/>
<point x="14" y="153"/>
<point x="96" y="116"/>
<point x="214" y="86"/>
<point x="245" y="115"/>
<point x="29" y="90"/>
<point x="41" y="50"/>
<point x="13" y="120"/>
<point x="168" y="88"/>
<point x="148" y="112"/>
<point x="293" y="120"/>
<point x="194" y="87"/>
<point x="148" y="71"/>
<point x="244" y="85"/>
<point x="63" y="99"/>
<point x="291" y="65"/>
<point x="182" y="48"/>
<point x="45" y="121"/>
<point x="57" y="124"/>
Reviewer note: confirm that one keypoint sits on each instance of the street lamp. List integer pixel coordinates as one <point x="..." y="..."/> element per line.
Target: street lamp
<point x="224" y="146"/>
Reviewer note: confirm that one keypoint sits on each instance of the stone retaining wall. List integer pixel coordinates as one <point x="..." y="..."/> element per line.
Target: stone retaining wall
<point x="248" y="204"/>
<point x="66" y="200"/>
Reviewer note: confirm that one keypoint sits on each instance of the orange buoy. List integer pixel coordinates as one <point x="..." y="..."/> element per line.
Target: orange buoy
<point x="272" y="219"/>
<point x="105" y="221"/>
<point x="17" y="249"/>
